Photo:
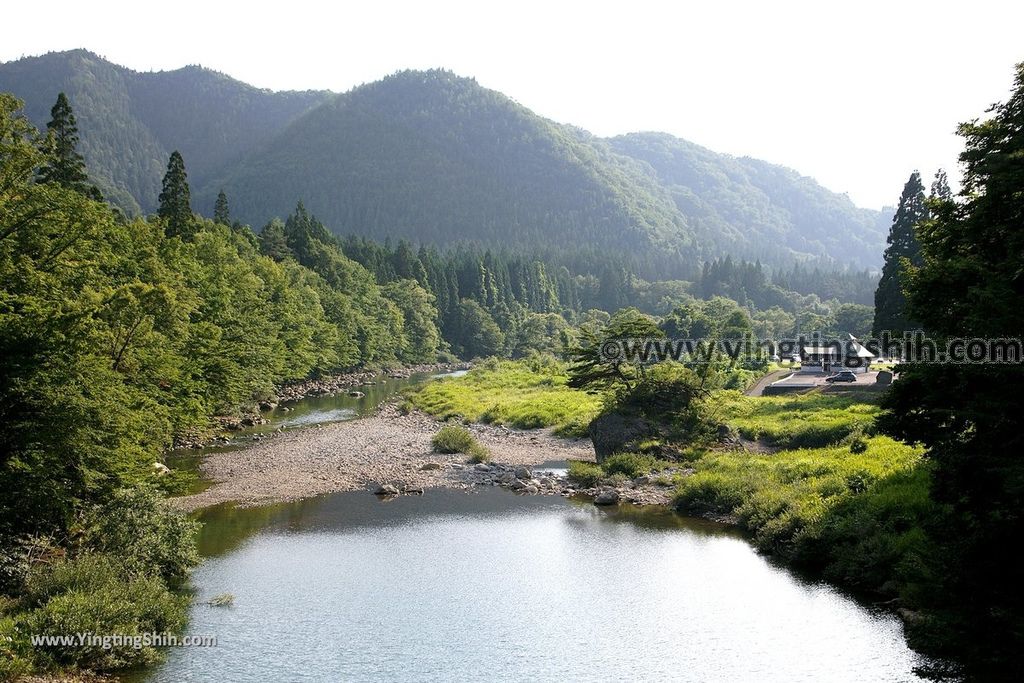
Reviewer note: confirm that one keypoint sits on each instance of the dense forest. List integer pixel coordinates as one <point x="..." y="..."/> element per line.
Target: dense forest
<point x="437" y="159"/>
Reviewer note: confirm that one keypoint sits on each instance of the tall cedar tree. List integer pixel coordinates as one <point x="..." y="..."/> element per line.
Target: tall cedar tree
<point x="64" y="165"/>
<point x="890" y="301"/>
<point x="971" y="284"/>
<point x="175" y="200"/>
<point x="221" y="213"/>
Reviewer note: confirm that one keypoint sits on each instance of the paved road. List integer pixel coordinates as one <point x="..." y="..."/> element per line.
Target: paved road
<point x="758" y="388"/>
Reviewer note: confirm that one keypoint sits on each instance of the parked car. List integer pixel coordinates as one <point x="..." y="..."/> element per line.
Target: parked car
<point x="842" y="376"/>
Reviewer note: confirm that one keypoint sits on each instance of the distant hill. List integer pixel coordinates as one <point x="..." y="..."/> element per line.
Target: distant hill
<point x="753" y="209"/>
<point x="436" y="158"/>
<point x="130" y="122"/>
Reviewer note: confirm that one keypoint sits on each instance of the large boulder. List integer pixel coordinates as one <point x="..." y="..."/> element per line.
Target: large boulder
<point x="615" y="433"/>
<point x="606" y="496"/>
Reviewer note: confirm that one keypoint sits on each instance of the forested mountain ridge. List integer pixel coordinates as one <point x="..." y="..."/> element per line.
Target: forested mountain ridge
<point x="435" y="158"/>
<point x="131" y="121"/>
<point x="438" y="159"/>
<point x="753" y="209"/>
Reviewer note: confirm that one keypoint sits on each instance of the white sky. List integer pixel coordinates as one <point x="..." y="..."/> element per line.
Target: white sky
<point x="854" y="94"/>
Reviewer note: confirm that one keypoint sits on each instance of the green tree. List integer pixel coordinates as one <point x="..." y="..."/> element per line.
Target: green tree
<point x="273" y="242"/>
<point x="476" y="335"/>
<point x="903" y="250"/>
<point x="600" y="360"/>
<point x="855" y="319"/>
<point x="221" y="213"/>
<point x="421" y="338"/>
<point x="175" y="200"/>
<point x="64" y="165"/>
<point x="969" y="284"/>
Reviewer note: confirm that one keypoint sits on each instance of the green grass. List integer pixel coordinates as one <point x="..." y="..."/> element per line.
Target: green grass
<point x="585" y="474"/>
<point x="518" y="394"/>
<point x="859" y="517"/>
<point x="456" y="439"/>
<point x="631" y="465"/>
<point x="452" y="439"/>
<point x="801" y="421"/>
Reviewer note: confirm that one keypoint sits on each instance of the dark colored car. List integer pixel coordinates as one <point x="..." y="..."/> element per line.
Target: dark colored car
<point x="843" y="376"/>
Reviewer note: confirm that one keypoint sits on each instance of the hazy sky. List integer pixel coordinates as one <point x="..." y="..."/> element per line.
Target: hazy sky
<point x="854" y="94"/>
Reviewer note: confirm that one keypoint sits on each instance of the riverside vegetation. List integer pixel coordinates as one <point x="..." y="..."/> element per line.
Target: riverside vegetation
<point x="809" y="476"/>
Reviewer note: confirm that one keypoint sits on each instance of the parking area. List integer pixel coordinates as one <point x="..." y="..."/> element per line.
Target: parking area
<point x="805" y="381"/>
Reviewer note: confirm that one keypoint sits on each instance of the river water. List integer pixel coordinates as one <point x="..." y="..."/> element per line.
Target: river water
<point x="454" y="586"/>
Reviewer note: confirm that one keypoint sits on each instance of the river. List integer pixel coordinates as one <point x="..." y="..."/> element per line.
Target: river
<point x="453" y="586"/>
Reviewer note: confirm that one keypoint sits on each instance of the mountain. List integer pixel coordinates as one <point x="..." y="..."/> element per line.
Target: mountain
<point x="753" y="209"/>
<point x="130" y="122"/>
<point x="433" y="157"/>
<point x="436" y="158"/>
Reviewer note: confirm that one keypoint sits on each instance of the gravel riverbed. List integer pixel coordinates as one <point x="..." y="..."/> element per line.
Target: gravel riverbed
<point x="390" y="452"/>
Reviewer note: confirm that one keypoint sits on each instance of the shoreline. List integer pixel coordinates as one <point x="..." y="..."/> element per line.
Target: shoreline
<point x="220" y="425"/>
<point x="389" y="453"/>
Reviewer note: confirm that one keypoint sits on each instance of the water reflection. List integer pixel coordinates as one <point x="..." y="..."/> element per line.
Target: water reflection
<point x="455" y="586"/>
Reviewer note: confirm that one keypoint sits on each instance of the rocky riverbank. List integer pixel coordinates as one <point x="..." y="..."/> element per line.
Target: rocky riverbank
<point x="221" y="426"/>
<point x="390" y="453"/>
<point x="327" y="386"/>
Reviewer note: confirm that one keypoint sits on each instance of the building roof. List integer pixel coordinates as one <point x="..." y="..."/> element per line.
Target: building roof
<point x="847" y="349"/>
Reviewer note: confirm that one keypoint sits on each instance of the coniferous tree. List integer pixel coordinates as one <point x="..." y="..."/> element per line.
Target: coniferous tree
<point x="967" y="416"/>
<point x="940" y="187"/>
<point x="273" y="242"/>
<point x="890" y="301"/>
<point x="64" y="165"/>
<point x="175" y="200"/>
<point x="221" y="213"/>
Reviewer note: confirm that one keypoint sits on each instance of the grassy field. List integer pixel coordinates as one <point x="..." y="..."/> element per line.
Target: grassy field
<point x="519" y="394"/>
<point x="795" y="421"/>
<point x="832" y="497"/>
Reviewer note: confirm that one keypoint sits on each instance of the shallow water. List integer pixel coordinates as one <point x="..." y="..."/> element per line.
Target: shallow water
<point x="451" y="586"/>
<point x="307" y="412"/>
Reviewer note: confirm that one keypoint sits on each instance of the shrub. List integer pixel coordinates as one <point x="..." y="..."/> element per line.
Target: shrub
<point x="452" y="439"/>
<point x="97" y="593"/>
<point x="585" y="474"/>
<point x="479" y="453"/>
<point x="138" y="527"/>
<point x="630" y="464"/>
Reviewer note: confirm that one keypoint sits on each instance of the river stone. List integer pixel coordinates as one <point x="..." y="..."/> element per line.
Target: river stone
<point x="386" y="490"/>
<point x="531" y="489"/>
<point x="482" y="467"/>
<point x="606" y="497"/>
<point x="517" y="485"/>
<point x="356" y="394"/>
<point x="508" y="478"/>
<point x="614" y="433"/>
<point x="524" y="473"/>
<point x="430" y="466"/>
